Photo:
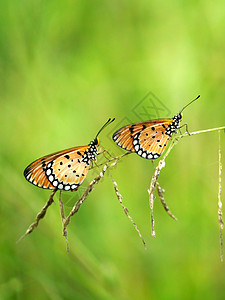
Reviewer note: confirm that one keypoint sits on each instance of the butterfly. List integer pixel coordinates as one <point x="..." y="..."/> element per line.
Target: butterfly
<point x="149" y="138"/>
<point x="66" y="169"/>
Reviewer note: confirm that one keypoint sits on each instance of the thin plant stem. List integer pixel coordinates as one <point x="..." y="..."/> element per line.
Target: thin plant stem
<point x="162" y="164"/>
<point x="39" y="216"/>
<point x="63" y="217"/>
<point x="161" y="197"/>
<point x="220" y="214"/>
<point x="151" y="190"/>
<point x="203" y="131"/>
<point x="88" y="190"/>
<point x="126" y="211"/>
<point x="151" y="193"/>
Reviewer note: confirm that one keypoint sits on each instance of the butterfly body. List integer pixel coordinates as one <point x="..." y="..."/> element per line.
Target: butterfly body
<point x="149" y="138"/>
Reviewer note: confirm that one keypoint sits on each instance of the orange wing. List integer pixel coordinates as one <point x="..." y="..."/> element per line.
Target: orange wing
<point x="124" y="137"/>
<point x="64" y="170"/>
<point x="152" y="141"/>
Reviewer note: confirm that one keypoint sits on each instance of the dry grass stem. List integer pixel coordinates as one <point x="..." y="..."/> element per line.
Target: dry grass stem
<point x="120" y="198"/>
<point x="151" y="192"/>
<point x="220" y="214"/>
<point x="88" y="190"/>
<point x="161" y="196"/>
<point x="161" y="165"/>
<point x="202" y="131"/>
<point x="63" y="217"/>
<point x="154" y="179"/>
<point x="39" y="216"/>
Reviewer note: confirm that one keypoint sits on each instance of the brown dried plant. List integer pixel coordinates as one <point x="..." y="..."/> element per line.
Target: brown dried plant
<point x="154" y="184"/>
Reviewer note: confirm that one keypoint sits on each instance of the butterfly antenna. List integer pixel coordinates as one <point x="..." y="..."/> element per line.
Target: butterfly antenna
<point x="106" y="124"/>
<point x="189" y="104"/>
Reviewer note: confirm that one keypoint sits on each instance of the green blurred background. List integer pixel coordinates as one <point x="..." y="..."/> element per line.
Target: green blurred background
<point x="66" y="67"/>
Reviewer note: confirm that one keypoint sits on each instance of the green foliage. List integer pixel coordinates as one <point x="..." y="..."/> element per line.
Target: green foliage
<point x="66" y="67"/>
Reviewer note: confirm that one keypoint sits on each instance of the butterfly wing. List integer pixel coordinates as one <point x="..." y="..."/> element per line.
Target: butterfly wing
<point x="152" y="141"/>
<point x="124" y="137"/>
<point x="64" y="170"/>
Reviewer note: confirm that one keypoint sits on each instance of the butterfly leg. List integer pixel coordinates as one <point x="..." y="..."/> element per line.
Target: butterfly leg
<point x="176" y="138"/>
<point x="104" y="151"/>
<point x="94" y="163"/>
<point x="108" y="157"/>
<point x="186" y="128"/>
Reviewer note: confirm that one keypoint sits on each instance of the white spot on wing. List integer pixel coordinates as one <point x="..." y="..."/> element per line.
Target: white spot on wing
<point x="136" y="147"/>
<point x="55" y="183"/>
<point x="51" y="178"/>
<point x="60" y="186"/>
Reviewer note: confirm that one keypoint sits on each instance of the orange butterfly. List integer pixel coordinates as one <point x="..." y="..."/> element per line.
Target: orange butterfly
<point x="66" y="169"/>
<point x="149" y="138"/>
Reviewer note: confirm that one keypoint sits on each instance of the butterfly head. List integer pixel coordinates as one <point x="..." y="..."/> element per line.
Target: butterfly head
<point x="178" y="117"/>
<point x="176" y="120"/>
<point x="96" y="142"/>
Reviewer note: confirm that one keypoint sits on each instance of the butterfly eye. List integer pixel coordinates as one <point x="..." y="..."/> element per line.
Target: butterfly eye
<point x="96" y="141"/>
